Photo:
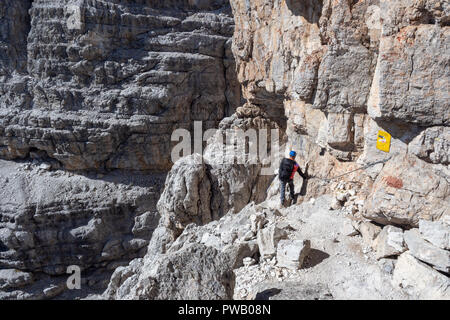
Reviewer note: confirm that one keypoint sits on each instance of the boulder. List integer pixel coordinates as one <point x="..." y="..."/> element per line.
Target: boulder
<point x="187" y="194"/>
<point x="196" y="272"/>
<point x="268" y="239"/>
<point x="389" y="242"/>
<point x="419" y="280"/>
<point x="407" y="189"/>
<point x="291" y="253"/>
<point x="436" y="232"/>
<point x="426" y="252"/>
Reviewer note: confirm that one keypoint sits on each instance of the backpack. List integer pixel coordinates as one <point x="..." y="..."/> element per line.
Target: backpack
<point x="286" y="167"/>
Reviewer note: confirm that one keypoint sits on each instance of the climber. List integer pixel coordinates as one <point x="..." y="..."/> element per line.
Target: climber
<point x="286" y="173"/>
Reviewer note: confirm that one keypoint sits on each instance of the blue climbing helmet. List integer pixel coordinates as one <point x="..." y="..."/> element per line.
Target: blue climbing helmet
<point x="292" y="154"/>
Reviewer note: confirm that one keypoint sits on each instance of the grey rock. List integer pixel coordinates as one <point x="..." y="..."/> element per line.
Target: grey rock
<point x="432" y="145"/>
<point x="419" y="280"/>
<point x="49" y="222"/>
<point x="291" y="253"/>
<point x="389" y="242"/>
<point x="348" y="229"/>
<point x="195" y="272"/>
<point x="387" y="265"/>
<point x="108" y="88"/>
<point x="268" y="239"/>
<point x="248" y="261"/>
<point x="400" y="194"/>
<point x="291" y="290"/>
<point x="369" y="232"/>
<point x="13" y="278"/>
<point x="426" y="252"/>
<point x="436" y="232"/>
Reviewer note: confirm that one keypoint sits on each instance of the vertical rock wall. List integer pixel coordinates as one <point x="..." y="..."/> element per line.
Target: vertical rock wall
<point x="343" y="70"/>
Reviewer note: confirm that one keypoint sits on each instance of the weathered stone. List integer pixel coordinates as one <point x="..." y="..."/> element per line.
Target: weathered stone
<point x="98" y="93"/>
<point x="436" y="232"/>
<point x="335" y="204"/>
<point x="91" y="228"/>
<point x="13" y="278"/>
<point x="290" y="290"/>
<point x="401" y="195"/>
<point x="195" y="272"/>
<point x="340" y="134"/>
<point x="291" y="253"/>
<point x="248" y="261"/>
<point x="389" y="242"/>
<point x="419" y="280"/>
<point x="348" y="229"/>
<point x="268" y="239"/>
<point x="426" y="252"/>
<point x="432" y="145"/>
<point x="387" y="265"/>
<point x="293" y="69"/>
<point x="186" y="197"/>
<point x="369" y="232"/>
<point x="409" y="83"/>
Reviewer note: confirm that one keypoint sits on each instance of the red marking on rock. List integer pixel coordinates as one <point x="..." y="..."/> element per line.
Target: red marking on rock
<point x="394" y="182"/>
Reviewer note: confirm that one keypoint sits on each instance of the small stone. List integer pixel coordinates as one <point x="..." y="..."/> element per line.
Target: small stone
<point x="342" y="196"/>
<point x="53" y="291"/>
<point x="347" y="228"/>
<point x="249" y="236"/>
<point x="369" y="232"/>
<point x="335" y="204"/>
<point x="248" y="261"/>
<point x="45" y="166"/>
<point x="387" y="265"/>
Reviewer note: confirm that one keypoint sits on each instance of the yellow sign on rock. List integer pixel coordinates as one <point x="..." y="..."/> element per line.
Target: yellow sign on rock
<point x="383" y="141"/>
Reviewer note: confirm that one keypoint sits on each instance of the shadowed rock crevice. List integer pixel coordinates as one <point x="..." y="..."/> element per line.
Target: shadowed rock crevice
<point x="311" y="10"/>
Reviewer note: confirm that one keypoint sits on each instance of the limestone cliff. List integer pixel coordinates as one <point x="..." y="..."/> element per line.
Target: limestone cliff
<point x="342" y="70"/>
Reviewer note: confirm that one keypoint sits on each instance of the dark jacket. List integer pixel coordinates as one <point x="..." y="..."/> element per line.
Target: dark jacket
<point x="288" y="168"/>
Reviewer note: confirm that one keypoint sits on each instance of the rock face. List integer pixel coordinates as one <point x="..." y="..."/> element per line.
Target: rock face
<point x="98" y="87"/>
<point x="197" y="265"/>
<point x="411" y="48"/>
<point x="345" y="70"/>
<point x="102" y="84"/>
<point x="101" y="225"/>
